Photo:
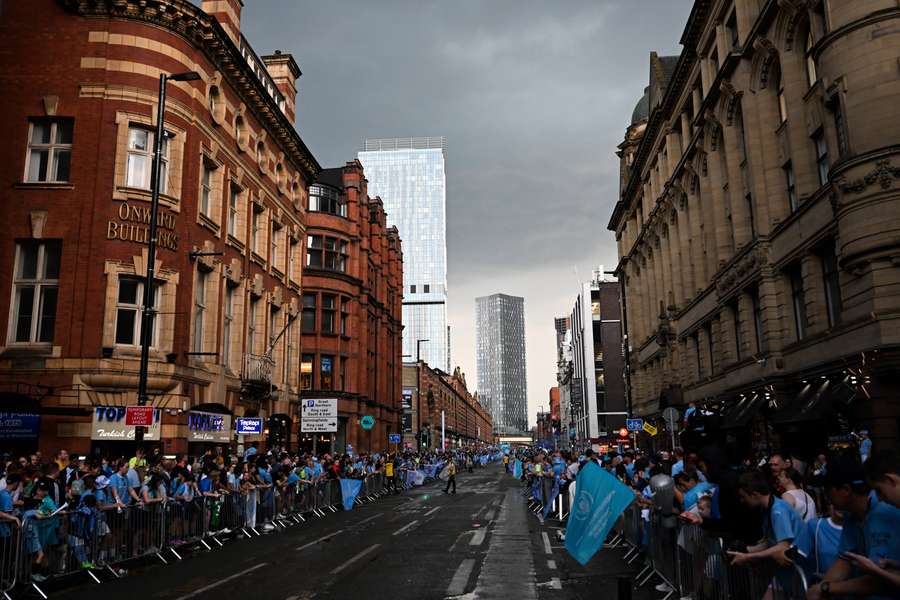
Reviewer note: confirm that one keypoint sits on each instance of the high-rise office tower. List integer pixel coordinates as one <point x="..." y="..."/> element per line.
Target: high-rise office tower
<point x="408" y="175"/>
<point x="500" y="357"/>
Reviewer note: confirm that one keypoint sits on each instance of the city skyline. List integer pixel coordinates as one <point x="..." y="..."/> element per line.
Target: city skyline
<point x="501" y="363"/>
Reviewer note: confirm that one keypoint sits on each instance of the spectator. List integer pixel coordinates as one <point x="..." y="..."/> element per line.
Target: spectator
<point x="870" y="538"/>
<point x="825" y="538"/>
<point x="796" y="496"/>
<point x="865" y="446"/>
<point x="883" y="474"/>
<point x="782" y="527"/>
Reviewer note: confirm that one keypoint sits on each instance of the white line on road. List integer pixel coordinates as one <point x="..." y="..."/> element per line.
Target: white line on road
<point x="489" y="515"/>
<point x="199" y="591"/>
<point x="368" y="550"/>
<point x="553" y="584"/>
<point x="478" y="537"/>
<point x="367" y="519"/>
<point x="321" y="539"/>
<point x="551" y="564"/>
<point x="461" y="577"/>
<point x="433" y="510"/>
<point x="405" y="527"/>
<point x="547" y="548"/>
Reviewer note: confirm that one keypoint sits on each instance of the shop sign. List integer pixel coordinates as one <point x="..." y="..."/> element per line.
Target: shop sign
<point x="208" y="427"/>
<point x="133" y="225"/>
<point x="249" y="426"/>
<point x="406" y="401"/>
<point x="17" y="426"/>
<point x="108" y="423"/>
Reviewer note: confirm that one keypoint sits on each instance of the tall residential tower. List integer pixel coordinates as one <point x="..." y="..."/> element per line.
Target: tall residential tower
<point x="408" y="175"/>
<point x="500" y="356"/>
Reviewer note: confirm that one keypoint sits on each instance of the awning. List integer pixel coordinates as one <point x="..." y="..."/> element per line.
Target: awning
<point x="817" y="401"/>
<point x="739" y="414"/>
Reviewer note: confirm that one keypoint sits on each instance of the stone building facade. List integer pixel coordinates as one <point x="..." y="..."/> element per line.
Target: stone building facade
<point x="466" y="421"/>
<point x="758" y="220"/>
<point x="79" y="117"/>
<point x="352" y="309"/>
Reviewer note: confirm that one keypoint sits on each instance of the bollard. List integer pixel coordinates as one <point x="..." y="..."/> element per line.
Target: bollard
<point x="624" y="586"/>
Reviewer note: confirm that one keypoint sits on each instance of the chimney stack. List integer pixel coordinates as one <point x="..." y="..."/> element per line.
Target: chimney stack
<point x="228" y="14"/>
<point x="284" y="72"/>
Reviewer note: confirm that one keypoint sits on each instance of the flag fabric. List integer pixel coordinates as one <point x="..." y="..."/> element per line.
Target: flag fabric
<point x="517" y="469"/>
<point x="430" y="471"/>
<point x="420" y="478"/>
<point x="349" y="491"/>
<point x="599" y="500"/>
<point x="410" y="477"/>
<point x="554" y="492"/>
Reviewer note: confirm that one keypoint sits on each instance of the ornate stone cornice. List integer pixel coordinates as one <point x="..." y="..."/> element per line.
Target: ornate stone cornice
<point x="883" y="174"/>
<point x="204" y="32"/>
<point x="740" y="271"/>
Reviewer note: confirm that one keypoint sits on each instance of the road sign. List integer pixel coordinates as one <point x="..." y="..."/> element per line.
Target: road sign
<point x="394" y="438"/>
<point x="319" y="415"/>
<point x="671" y="415"/>
<point x="249" y="426"/>
<point x="139" y="416"/>
<point x="650" y="429"/>
<point x="634" y="424"/>
<point x="367" y="422"/>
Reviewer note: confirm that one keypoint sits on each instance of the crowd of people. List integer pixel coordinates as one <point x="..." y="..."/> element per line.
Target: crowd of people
<point x="837" y="518"/>
<point x="98" y="509"/>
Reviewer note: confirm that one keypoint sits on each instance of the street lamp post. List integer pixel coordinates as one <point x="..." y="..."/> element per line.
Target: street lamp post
<point x="147" y="313"/>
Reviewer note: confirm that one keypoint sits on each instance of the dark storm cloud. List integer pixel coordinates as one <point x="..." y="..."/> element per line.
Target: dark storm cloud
<point x="533" y="98"/>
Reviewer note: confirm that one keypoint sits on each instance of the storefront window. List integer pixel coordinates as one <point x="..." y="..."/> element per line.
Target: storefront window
<point x="306" y="372"/>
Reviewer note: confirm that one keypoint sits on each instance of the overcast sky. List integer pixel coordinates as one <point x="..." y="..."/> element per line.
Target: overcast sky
<point x="532" y="96"/>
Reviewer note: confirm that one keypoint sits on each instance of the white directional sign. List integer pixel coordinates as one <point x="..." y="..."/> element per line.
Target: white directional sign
<point x="319" y="415"/>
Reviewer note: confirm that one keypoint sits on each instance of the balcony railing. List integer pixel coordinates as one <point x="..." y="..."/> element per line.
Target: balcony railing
<point x="258" y="368"/>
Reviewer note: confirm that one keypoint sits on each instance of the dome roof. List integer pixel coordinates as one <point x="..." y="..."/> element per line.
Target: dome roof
<point x="642" y="109"/>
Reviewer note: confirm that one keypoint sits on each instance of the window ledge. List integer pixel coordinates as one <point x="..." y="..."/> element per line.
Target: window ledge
<point x="256" y="258"/>
<point x="43" y="185"/>
<point x="205" y="221"/>
<point x="27" y="350"/>
<point x="132" y="193"/>
<point x="123" y="351"/>
<point x="276" y="272"/>
<point x="233" y="241"/>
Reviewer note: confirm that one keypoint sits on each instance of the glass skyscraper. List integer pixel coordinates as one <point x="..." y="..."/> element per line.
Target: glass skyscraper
<point x="500" y="358"/>
<point x="408" y="175"/>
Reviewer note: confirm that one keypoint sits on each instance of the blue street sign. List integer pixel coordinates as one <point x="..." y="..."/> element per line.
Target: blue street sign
<point x="634" y="424"/>
<point x="367" y="422"/>
<point x="249" y="426"/>
<point x="394" y="438"/>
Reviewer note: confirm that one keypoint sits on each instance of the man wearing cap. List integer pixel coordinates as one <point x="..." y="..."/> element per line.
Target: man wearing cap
<point x="871" y="535"/>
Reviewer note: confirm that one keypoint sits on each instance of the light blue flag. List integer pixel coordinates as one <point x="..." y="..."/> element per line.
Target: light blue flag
<point x="517" y="469"/>
<point x="420" y="477"/>
<point x="349" y="491"/>
<point x="599" y="500"/>
<point x="430" y="470"/>
<point x="410" y="478"/>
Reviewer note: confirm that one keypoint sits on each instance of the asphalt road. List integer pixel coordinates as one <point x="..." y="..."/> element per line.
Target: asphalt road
<point x="481" y="543"/>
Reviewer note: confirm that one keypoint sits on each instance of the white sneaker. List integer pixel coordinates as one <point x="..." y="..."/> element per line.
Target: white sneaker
<point x="665" y="588"/>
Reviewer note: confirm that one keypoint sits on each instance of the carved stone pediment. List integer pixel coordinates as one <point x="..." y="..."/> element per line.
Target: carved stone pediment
<point x="742" y="270"/>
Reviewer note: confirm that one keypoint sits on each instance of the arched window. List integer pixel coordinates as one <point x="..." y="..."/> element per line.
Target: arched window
<point x="812" y="75"/>
<point x="240" y="130"/>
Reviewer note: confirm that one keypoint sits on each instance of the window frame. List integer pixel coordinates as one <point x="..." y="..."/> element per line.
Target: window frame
<point x="834" y="304"/>
<point x="53" y="149"/>
<point x="38" y="284"/>
<point x="138" y="310"/>
<point x="823" y="165"/>
<point x="811" y="68"/>
<point x="798" y="302"/>
<point x="328" y="312"/>
<point x="200" y="308"/>
<point x="227" y="323"/>
<point x="163" y="175"/>
<point x="308" y="310"/>
<point x="791" y="186"/>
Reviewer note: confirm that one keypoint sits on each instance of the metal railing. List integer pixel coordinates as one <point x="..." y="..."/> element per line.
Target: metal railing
<point x="258" y="368"/>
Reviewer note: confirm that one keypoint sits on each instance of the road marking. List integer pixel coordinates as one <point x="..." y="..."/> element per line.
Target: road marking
<point x="321" y="539"/>
<point x="211" y="586"/>
<point x="551" y="564"/>
<point x="547" y="548"/>
<point x="478" y="537"/>
<point x="477" y="512"/>
<point x="405" y="527"/>
<point x="368" y="550"/>
<point x="489" y="515"/>
<point x="461" y="577"/>
<point x="433" y="510"/>
<point x="553" y="584"/>
<point x="367" y="519"/>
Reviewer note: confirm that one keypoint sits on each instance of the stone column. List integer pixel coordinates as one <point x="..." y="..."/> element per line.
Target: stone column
<point x="740" y="213"/>
<point x="814" y="291"/>
<point x="685" y="245"/>
<point x="666" y="263"/>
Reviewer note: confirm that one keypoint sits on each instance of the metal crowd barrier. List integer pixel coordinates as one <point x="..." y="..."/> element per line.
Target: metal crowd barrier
<point x="91" y="542"/>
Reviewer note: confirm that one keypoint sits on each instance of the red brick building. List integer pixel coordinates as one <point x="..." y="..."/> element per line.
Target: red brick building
<point x="466" y="421"/>
<point x="78" y="117"/>
<point x="352" y="298"/>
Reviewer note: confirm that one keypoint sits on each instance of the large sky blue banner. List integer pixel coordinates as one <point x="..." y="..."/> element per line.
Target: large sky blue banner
<point x="349" y="491"/>
<point x="410" y="477"/>
<point x="517" y="468"/>
<point x="420" y="477"/>
<point x="599" y="500"/>
<point x="537" y="489"/>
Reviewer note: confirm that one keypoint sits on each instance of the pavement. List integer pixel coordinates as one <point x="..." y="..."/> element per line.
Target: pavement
<point x="480" y="544"/>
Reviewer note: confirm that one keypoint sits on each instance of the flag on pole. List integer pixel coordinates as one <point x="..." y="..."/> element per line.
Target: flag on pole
<point x="554" y="492"/>
<point x="349" y="491"/>
<point x="517" y="469"/>
<point x="599" y="500"/>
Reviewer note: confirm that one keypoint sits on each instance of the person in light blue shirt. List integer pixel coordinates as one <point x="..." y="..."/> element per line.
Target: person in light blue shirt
<point x="825" y="538"/>
<point x="782" y="527"/>
<point x="678" y="465"/>
<point x="870" y="536"/>
<point x="865" y="446"/>
<point x="7" y="512"/>
<point x="120" y="487"/>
